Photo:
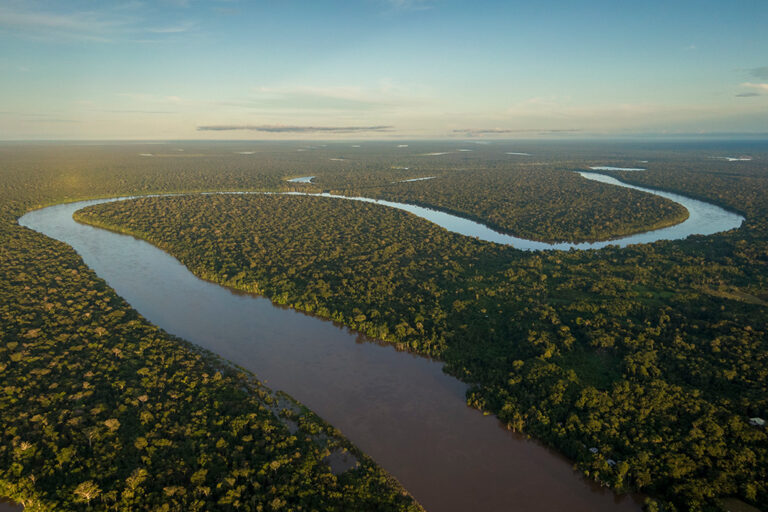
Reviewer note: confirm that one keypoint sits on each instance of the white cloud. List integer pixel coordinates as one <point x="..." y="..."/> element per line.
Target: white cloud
<point x="759" y="87"/>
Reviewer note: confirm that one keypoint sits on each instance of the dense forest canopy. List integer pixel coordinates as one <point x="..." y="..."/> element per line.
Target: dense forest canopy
<point x="642" y="364"/>
<point x="537" y="202"/>
<point x="101" y="410"/>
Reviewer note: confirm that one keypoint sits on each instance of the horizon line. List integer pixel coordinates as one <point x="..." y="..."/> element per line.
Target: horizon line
<point x="582" y="137"/>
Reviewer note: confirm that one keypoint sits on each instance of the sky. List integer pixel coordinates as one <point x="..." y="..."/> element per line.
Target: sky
<point x="381" y="69"/>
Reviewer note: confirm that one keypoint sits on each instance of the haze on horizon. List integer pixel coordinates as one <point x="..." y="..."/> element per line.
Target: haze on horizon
<point x="232" y="69"/>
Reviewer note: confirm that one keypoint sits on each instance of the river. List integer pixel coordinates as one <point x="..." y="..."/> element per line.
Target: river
<point x="9" y="506"/>
<point x="399" y="408"/>
<point x="703" y="219"/>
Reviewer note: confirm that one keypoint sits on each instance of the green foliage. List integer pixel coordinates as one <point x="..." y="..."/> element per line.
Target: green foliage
<point x="102" y="411"/>
<point x="539" y="203"/>
<point x="621" y="350"/>
<point x="655" y="355"/>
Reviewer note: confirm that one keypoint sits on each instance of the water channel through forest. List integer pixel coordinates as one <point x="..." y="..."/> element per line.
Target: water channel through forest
<point x="399" y="408"/>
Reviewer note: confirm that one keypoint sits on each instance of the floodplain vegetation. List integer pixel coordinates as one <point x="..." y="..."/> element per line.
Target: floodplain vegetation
<point x="537" y="203"/>
<point x="642" y="364"/>
<point x="100" y="410"/>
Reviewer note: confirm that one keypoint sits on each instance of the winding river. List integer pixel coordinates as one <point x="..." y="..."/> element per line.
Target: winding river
<point x="399" y="408"/>
<point x="703" y="219"/>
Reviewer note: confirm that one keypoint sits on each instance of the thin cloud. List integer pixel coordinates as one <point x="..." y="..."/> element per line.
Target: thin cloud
<point x="410" y="5"/>
<point x="748" y="94"/>
<point x="760" y="87"/>
<point x="151" y="98"/>
<point x="269" y="128"/>
<point x="473" y="132"/>
<point x="178" y="3"/>
<point x="339" y="97"/>
<point x="136" y="111"/>
<point x="30" y="119"/>
<point x="176" y="29"/>
<point x="98" y="25"/>
<point x="38" y="118"/>
<point x="86" y="25"/>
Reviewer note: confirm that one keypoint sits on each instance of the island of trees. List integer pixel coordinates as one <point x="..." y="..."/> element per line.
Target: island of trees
<point x="536" y="202"/>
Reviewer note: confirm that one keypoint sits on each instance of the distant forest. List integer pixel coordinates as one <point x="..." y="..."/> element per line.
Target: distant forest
<point x="537" y="202"/>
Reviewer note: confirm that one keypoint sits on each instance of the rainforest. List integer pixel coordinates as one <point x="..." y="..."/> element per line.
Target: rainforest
<point x="643" y="365"/>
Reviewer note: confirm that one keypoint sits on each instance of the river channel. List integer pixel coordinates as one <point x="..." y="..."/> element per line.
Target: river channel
<point x="703" y="219"/>
<point x="399" y="408"/>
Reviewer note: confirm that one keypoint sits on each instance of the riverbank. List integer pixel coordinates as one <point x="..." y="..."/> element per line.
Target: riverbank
<point x="400" y="409"/>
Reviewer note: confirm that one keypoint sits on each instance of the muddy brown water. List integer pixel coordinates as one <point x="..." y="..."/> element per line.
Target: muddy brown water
<point x="399" y="408"/>
<point x="9" y="506"/>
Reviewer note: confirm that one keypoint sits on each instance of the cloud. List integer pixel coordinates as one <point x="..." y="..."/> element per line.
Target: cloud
<point x="278" y="128"/>
<point x="333" y="96"/>
<point x="136" y="111"/>
<point x="178" y="3"/>
<point x="474" y="132"/>
<point x="386" y="95"/>
<point x="101" y="24"/>
<point x="6" y="66"/>
<point x="410" y="5"/>
<point x="29" y="117"/>
<point x="85" y="25"/>
<point x="748" y="94"/>
<point x="151" y="98"/>
<point x="52" y="120"/>
<point x="759" y="87"/>
<point x="761" y="72"/>
<point x="175" y="29"/>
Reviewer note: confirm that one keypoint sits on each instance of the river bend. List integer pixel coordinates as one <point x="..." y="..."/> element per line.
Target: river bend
<point x="399" y="408"/>
<point x="703" y="219"/>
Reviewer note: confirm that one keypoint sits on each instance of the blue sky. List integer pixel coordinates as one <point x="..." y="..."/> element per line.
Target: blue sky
<point x="235" y="69"/>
